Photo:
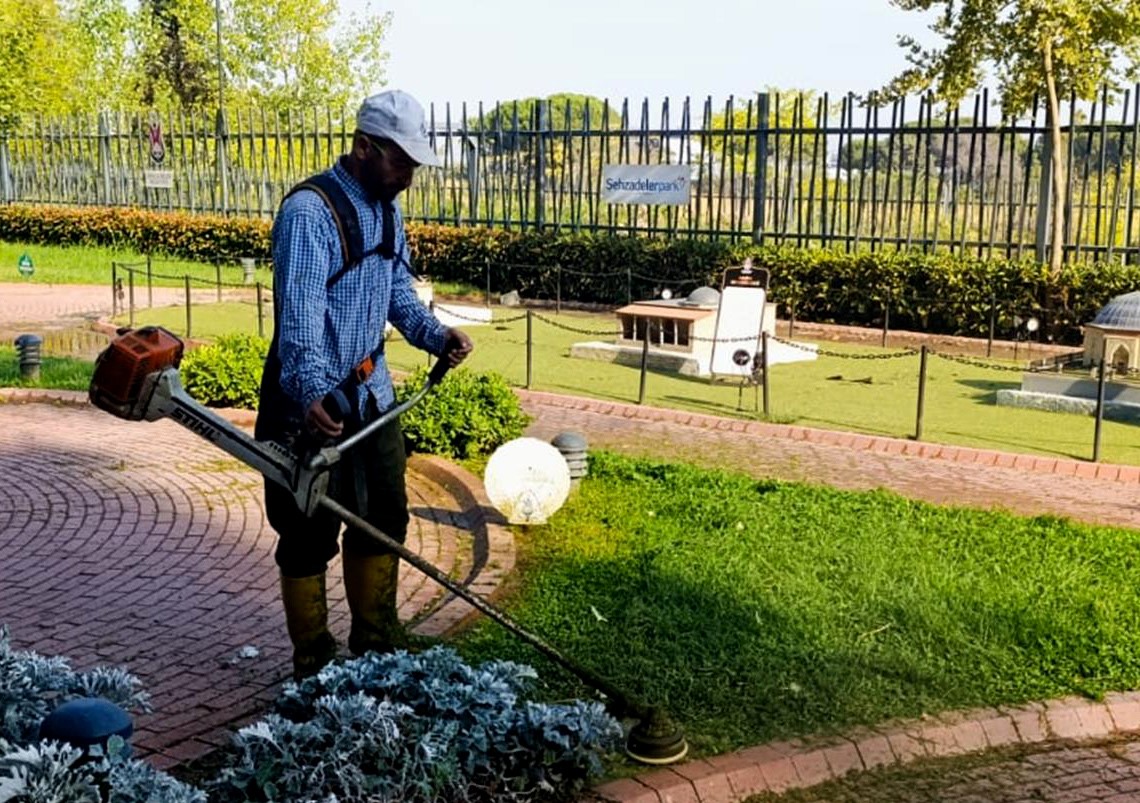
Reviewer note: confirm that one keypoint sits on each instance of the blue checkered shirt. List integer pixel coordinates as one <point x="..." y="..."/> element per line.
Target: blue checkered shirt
<point x="323" y="333"/>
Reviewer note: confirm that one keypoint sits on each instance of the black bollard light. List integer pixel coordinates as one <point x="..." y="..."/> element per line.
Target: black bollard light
<point x="29" y="350"/>
<point x="86" y="722"/>
<point x="572" y="445"/>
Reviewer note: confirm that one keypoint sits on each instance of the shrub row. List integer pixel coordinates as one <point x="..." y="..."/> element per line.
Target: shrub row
<point x="943" y="293"/>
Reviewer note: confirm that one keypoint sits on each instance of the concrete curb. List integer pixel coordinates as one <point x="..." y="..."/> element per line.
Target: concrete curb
<point x="780" y="766"/>
<point x="1061" y="466"/>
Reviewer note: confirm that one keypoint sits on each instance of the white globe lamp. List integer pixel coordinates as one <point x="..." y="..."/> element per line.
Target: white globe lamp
<point x="527" y="480"/>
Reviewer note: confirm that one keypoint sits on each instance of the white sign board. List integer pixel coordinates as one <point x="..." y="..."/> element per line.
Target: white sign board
<point x="158" y="179"/>
<point x="646" y="184"/>
<point x="739" y="322"/>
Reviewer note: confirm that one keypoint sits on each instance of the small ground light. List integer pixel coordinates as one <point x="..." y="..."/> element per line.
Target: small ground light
<point x="86" y="722"/>
<point x="29" y="350"/>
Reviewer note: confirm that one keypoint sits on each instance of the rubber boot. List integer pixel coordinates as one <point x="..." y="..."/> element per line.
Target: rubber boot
<point x="370" y="583"/>
<point x="306" y="618"/>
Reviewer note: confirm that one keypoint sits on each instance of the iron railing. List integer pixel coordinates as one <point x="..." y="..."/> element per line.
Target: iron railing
<point x="791" y="169"/>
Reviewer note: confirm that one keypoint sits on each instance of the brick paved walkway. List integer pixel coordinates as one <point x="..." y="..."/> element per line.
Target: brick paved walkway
<point x="1107" y="771"/>
<point x="139" y="544"/>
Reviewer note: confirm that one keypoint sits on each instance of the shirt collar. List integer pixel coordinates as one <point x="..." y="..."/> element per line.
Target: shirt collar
<point x="351" y="185"/>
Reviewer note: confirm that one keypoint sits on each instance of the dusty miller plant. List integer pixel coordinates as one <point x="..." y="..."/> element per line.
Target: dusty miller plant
<point x="422" y="727"/>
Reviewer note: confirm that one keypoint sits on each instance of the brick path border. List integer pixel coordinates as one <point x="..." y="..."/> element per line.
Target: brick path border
<point x="1065" y="467"/>
<point x="776" y="766"/>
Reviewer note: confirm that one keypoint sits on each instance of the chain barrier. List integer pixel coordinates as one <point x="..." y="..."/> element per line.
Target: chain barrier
<point x="576" y="330"/>
<point x="198" y="279"/>
<point x="843" y="355"/>
<point x="463" y="317"/>
<point x="993" y="366"/>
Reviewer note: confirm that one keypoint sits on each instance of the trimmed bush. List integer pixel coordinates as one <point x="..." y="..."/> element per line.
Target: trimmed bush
<point x="468" y="414"/>
<point x="226" y="373"/>
<point x="941" y="294"/>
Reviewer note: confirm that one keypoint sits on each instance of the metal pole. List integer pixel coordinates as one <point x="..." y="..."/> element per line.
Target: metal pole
<point x="114" y="289"/>
<point x="221" y="132"/>
<point x="629" y="288"/>
<point x="186" y="281"/>
<point x="487" y="263"/>
<point x="529" y="347"/>
<point x="886" y="319"/>
<point x="539" y="167"/>
<point x="1099" y="410"/>
<point x="131" y="297"/>
<point x="105" y="156"/>
<point x="993" y="322"/>
<point x="791" y="321"/>
<point x="644" y="362"/>
<point x="921" y="394"/>
<point x="558" y="296"/>
<point x="260" y="313"/>
<point x="218" y="279"/>
<point x="764" y="373"/>
<point x="1044" y="202"/>
<point x="149" y="283"/>
<point x="5" y="180"/>
<point x="761" y="169"/>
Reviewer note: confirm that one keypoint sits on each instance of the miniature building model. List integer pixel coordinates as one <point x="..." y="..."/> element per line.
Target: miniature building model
<point x="1115" y="334"/>
<point x="685" y="326"/>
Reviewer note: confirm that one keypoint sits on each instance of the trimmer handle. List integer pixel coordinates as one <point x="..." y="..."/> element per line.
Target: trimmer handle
<point x="439" y="371"/>
<point x="338" y="407"/>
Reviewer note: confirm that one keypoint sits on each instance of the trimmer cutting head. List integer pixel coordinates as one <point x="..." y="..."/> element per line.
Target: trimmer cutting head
<point x="656" y="739"/>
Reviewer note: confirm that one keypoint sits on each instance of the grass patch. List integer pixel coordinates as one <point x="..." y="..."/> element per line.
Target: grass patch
<point x="207" y="321"/>
<point x="62" y="373"/>
<point x="764" y="610"/>
<point x="873" y="396"/>
<point x="56" y="264"/>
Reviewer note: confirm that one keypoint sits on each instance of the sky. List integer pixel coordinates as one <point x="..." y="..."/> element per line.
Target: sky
<point x="472" y="50"/>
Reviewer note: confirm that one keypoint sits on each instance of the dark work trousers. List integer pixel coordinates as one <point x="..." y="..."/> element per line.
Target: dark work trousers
<point x="305" y="544"/>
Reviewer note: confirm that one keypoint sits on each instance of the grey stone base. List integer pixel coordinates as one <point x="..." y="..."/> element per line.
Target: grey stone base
<point x="1053" y="403"/>
<point x="657" y="360"/>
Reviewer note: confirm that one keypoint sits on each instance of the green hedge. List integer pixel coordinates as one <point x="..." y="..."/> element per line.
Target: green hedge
<point x="945" y="294"/>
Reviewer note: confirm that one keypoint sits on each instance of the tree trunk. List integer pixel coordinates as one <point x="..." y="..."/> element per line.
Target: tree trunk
<point x="1053" y="115"/>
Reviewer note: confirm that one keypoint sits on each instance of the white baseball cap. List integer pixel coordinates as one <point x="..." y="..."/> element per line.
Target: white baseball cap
<point x="397" y="116"/>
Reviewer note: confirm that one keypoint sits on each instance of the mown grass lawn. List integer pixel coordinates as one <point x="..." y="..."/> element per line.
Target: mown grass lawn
<point x="55" y="264"/>
<point x="763" y="610"/>
<point x="62" y="373"/>
<point x="872" y="396"/>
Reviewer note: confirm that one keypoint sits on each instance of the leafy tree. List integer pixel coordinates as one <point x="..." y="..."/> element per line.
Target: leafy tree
<point x="177" y="63"/>
<point x="36" y="67"/>
<point x="1039" y="47"/>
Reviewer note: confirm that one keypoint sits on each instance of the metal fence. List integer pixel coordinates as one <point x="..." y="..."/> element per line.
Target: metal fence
<point x="777" y="168"/>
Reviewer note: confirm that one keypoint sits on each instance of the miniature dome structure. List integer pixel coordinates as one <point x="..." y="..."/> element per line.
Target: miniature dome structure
<point x="1115" y="334"/>
<point x="703" y="297"/>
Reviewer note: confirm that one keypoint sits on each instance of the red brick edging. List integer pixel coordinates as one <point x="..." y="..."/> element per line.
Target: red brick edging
<point x="1065" y="467"/>
<point x="780" y="766"/>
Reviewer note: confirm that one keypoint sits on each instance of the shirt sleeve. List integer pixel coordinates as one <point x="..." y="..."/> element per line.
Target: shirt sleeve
<point x="406" y="312"/>
<point x="301" y="255"/>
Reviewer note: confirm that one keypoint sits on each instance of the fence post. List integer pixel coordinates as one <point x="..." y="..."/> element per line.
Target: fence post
<point x="1099" y="408"/>
<point x="186" y="282"/>
<point x="921" y="394"/>
<point x="221" y="140"/>
<point x="218" y="279"/>
<point x="761" y="178"/>
<point x="993" y="322"/>
<point x="131" y="297"/>
<point x="529" y="347"/>
<point x="539" y="166"/>
<point x="149" y="284"/>
<point x="105" y="156"/>
<point x="5" y="172"/>
<point x="558" y="291"/>
<point x="487" y="265"/>
<point x="629" y="286"/>
<point x="764" y="373"/>
<point x="791" y="320"/>
<point x="114" y="289"/>
<point x="886" y="319"/>
<point x="260" y="313"/>
<point x="1044" y="202"/>
<point x="644" y="360"/>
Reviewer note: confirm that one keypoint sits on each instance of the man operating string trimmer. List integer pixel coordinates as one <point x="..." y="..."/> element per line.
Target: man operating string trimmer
<point x="341" y="272"/>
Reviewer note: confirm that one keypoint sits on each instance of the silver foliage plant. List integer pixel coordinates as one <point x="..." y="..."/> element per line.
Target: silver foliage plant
<point x="31" y="771"/>
<point x="426" y="727"/>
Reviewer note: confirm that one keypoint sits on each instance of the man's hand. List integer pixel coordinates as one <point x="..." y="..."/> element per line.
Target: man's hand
<point x="320" y="423"/>
<point x="457" y="346"/>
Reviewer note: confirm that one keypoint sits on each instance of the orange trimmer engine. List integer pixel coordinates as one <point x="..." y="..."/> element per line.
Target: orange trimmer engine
<point x="120" y="384"/>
